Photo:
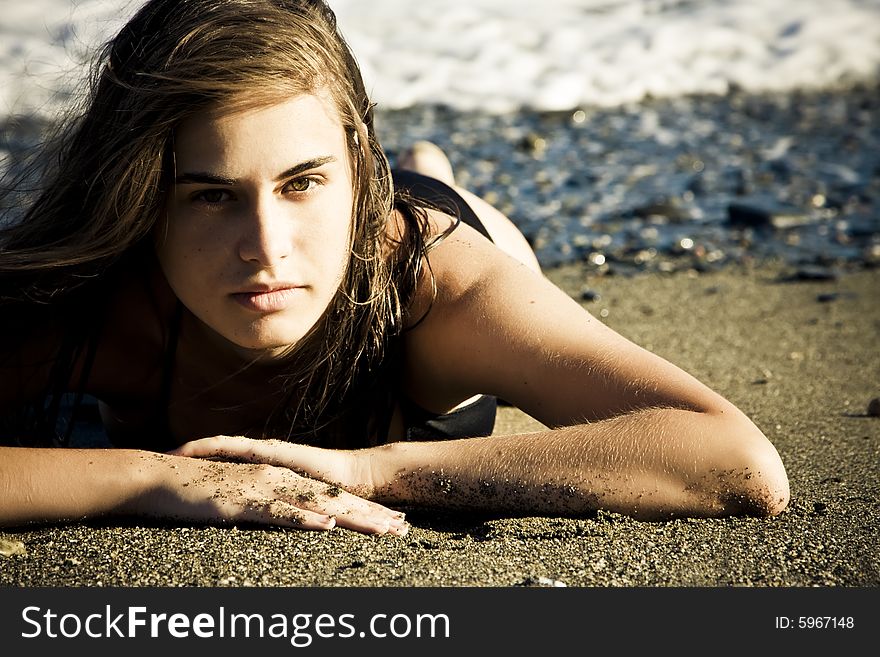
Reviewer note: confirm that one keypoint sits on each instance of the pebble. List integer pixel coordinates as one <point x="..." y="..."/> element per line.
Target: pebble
<point x="10" y="547"/>
<point x="764" y="213"/>
<point x="812" y="273"/>
<point x="834" y="296"/>
<point x="874" y="407"/>
<point x="541" y="581"/>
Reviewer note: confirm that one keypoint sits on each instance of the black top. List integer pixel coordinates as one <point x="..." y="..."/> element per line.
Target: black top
<point x="478" y="417"/>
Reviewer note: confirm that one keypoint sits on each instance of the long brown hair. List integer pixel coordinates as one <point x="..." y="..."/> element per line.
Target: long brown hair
<point x="103" y="189"/>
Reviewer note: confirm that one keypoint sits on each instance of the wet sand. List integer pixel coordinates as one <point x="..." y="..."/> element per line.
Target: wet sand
<point x="800" y="358"/>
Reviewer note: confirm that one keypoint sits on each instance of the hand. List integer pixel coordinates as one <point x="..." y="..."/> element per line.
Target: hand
<point x="350" y="470"/>
<point x="214" y="491"/>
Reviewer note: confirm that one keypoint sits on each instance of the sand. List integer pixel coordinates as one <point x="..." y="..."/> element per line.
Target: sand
<point x="800" y="358"/>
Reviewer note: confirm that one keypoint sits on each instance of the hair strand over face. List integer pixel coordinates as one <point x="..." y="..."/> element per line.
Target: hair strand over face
<point x="104" y="189"/>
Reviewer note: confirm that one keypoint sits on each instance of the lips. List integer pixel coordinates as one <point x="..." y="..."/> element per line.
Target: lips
<point x="268" y="298"/>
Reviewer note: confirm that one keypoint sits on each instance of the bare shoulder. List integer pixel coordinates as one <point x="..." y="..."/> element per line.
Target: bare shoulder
<point x="476" y="301"/>
<point x="498" y="327"/>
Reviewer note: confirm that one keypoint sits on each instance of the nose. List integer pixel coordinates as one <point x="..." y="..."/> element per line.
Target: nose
<point x="267" y="237"/>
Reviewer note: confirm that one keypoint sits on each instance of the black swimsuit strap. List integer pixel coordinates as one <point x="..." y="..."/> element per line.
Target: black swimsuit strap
<point x="438" y="194"/>
<point x="478" y="417"/>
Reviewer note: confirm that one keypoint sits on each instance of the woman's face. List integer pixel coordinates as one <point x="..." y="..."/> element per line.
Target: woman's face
<point x="259" y="220"/>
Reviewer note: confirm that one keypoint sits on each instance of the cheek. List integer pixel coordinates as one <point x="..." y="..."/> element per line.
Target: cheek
<point x="332" y="242"/>
<point x="171" y="259"/>
<point x="182" y="259"/>
<point x="342" y="252"/>
<point x="175" y="265"/>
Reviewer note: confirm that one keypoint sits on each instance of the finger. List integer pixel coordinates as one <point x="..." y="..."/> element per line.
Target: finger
<point x="310" y="511"/>
<point x="214" y="446"/>
<point x="249" y="450"/>
<point x="360" y="515"/>
<point x="356" y="513"/>
<point x="283" y="514"/>
<point x="363" y="520"/>
<point x="307" y="459"/>
<point x="372" y="525"/>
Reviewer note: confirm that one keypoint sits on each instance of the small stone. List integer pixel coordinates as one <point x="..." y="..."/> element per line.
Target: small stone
<point x="811" y="273"/>
<point x="759" y="213"/>
<point x="874" y="407"/>
<point x="534" y="144"/>
<point x="546" y="581"/>
<point x="540" y="581"/>
<point x="590" y="295"/>
<point x="668" y="207"/>
<point x="9" y="548"/>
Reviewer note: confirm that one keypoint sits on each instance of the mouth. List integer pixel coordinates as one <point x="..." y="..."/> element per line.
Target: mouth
<point x="268" y="298"/>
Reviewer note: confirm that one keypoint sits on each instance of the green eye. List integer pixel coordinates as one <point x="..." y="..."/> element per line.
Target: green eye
<point x="300" y="185"/>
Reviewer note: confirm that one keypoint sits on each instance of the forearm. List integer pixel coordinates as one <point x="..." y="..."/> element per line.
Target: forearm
<point x="51" y="485"/>
<point x="47" y="485"/>
<point x="651" y="464"/>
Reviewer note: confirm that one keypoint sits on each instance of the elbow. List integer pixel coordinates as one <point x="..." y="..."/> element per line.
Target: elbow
<point x="767" y="491"/>
<point x="753" y="480"/>
<point x="775" y="481"/>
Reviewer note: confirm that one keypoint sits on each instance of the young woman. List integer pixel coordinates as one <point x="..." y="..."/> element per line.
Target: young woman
<point x="279" y="331"/>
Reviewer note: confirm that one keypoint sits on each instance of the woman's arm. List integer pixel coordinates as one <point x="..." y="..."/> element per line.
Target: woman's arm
<point x="650" y="464"/>
<point x="61" y="484"/>
<point x="630" y="432"/>
<point x="56" y="485"/>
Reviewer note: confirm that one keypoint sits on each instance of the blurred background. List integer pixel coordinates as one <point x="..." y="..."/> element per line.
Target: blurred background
<point x="633" y="135"/>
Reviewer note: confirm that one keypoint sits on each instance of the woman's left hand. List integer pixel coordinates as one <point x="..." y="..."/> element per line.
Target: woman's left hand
<point x="348" y="469"/>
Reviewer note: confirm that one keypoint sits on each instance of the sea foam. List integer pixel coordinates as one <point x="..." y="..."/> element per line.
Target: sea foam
<point x="500" y="55"/>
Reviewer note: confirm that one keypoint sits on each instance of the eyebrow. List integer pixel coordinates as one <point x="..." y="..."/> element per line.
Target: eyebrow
<point x="205" y="178"/>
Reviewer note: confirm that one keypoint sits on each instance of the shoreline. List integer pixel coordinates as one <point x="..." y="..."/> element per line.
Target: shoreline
<point x="798" y="356"/>
<point x="698" y="182"/>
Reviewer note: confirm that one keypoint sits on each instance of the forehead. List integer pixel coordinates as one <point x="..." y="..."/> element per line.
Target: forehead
<point x="301" y="127"/>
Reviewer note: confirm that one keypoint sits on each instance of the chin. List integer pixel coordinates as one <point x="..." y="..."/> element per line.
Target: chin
<point x="262" y="351"/>
<point x="268" y="343"/>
